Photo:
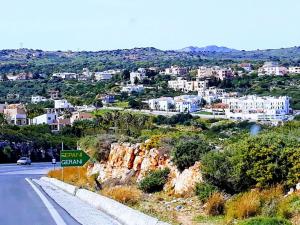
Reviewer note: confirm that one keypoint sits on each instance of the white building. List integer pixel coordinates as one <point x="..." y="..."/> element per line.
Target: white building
<point x="183" y="103"/>
<point x="187" y="103"/>
<point x="103" y="76"/>
<point x="246" y="66"/>
<point x="37" y="99"/>
<point x="140" y="75"/>
<point x="86" y="72"/>
<point x="187" y="86"/>
<point x="47" y="118"/>
<point x="215" y="71"/>
<point x="211" y="94"/>
<point x="176" y="70"/>
<point x="272" y="69"/>
<point x="204" y="72"/>
<point x="62" y="104"/>
<point x="257" y="108"/>
<point x="294" y="70"/>
<point x="162" y="104"/>
<point x="132" y="88"/>
<point x="15" y="114"/>
<point x="66" y="76"/>
<point x="177" y="85"/>
<point x="225" y="73"/>
<point x="55" y="122"/>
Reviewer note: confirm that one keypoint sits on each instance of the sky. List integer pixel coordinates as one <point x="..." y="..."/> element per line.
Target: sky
<point x="164" y="24"/>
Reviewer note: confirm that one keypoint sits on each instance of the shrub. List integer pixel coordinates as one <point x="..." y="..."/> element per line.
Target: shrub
<point x="244" y="206"/>
<point x="270" y="199"/>
<point x="154" y="181"/>
<point x="187" y="152"/>
<point x="128" y="195"/>
<point x="289" y="206"/>
<point x="98" y="147"/>
<point x="204" y="191"/>
<point x="265" y="221"/>
<point x="215" y="204"/>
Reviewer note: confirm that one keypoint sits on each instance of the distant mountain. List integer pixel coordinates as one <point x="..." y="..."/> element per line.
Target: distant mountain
<point x="210" y="48"/>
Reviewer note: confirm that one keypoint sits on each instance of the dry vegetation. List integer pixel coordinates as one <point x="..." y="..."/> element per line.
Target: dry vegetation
<point x="128" y="195"/>
<point x="215" y="204"/>
<point x="190" y="210"/>
<point x="74" y="175"/>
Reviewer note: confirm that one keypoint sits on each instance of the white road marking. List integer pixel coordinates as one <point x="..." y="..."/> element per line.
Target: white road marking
<point x="57" y="218"/>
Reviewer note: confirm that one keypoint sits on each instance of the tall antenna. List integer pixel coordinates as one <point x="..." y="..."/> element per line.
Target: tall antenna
<point x="21" y="44"/>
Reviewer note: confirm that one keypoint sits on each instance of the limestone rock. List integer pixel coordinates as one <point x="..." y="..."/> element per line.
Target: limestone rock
<point x="127" y="161"/>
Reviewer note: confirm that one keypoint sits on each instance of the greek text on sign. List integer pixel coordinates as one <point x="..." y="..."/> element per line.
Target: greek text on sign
<point x="73" y="158"/>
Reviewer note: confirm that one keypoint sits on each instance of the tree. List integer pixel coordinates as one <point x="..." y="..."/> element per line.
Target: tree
<point x="187" y="152"/>
<point x="98" y="103"/>
<point x="125" y="75"/>
<point x="3" y="120"/>
<point x="261" y="161"/>
<point x="7" y="151"/>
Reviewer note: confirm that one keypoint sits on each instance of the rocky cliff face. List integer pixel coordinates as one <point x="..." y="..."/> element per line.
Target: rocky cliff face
<point x="133" y="161"/>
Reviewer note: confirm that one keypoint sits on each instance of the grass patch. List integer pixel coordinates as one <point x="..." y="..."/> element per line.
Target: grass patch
<point x="120" y="104"/>
<point x="204" y="113"/>
<point x="265" y="221"/>
<point x="209" y="219"/>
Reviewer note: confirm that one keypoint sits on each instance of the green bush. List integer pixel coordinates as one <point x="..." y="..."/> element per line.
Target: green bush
<point x="154" y="181"/>
<point x="204" y="191"/>
<point x="187" y="152"/>
<point x="265" y="221"/>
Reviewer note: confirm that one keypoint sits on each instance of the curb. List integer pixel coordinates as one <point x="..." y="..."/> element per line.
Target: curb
<point x="71" y="189"/>
<point x="122" y="213"/>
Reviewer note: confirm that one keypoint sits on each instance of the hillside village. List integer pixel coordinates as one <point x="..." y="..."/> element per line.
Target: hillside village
<point x="182" y="143"/>
<point x="198" y="95"/>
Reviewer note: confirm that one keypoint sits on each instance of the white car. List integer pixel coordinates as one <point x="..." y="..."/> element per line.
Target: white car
<point x="24" y="161"/>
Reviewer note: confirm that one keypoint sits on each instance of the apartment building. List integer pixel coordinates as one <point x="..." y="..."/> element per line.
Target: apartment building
<point x="205" y="72"/>
<point x="225" y="73"/>
<point x="139" y="75"/>
<point x="183" y="103"/>
<point x="176" y="70"/>
<point x="15" y="114"/>
<point x="257" y="108"/>
<point x="162" y="104"/>
<point x="272" y="69"/>
<point x="215" y="71"/>
<point x="187" y="103"/>
<point x="211" y="94"/>
<point x="294" y="70"/>
<point x="187" y="86"/>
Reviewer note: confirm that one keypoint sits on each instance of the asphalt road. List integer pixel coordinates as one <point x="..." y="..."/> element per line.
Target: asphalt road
<point x="19" y="203"/>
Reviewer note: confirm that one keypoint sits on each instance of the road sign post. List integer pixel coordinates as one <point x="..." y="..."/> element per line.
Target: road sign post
<point x="73" y="158"/>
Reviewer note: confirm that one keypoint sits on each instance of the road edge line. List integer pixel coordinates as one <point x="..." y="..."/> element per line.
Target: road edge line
<point x="54" y="214"/>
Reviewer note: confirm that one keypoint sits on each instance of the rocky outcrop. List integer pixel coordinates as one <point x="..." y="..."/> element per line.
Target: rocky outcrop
<point x="133" y="161"/>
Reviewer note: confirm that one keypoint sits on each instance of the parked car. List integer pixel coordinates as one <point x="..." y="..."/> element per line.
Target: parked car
<point x="24" y="161"/>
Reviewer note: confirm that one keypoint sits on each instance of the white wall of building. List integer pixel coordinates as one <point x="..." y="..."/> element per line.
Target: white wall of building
<point x="62" y="104"/>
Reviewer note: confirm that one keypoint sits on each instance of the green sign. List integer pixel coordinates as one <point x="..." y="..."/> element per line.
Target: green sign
<point x="73" y="158"/>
